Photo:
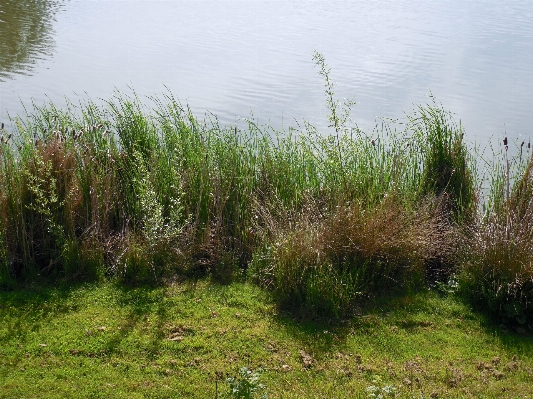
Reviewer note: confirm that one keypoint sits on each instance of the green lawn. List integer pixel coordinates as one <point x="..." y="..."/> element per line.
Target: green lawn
<point x="176" y="341"/>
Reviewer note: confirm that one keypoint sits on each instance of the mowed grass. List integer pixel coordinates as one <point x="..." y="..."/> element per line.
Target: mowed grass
<point x="182" y="341"/>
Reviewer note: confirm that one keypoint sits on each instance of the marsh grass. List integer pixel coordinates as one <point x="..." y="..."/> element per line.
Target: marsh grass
<point x="497" y="271"/>
<point x="117" y="190"/>
<point x="448" y="166"/>
<point x="323" y="221"/>
<point x="141" y="195"/>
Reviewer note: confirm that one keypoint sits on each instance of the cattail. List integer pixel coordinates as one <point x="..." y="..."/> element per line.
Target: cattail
<point x="505" y="141"/>
<point x="2" y="125"/>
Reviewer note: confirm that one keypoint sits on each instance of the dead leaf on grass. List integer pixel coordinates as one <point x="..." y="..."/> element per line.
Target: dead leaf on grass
<point x="498" y="374"/>
<point x="511" y="366"/>
<point x="307" y="359"/>
<point x="178" y="333"/>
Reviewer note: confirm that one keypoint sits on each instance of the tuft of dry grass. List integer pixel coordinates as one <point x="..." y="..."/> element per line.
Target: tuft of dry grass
<point x="497" y="270"/>
<point x="326" y="264"/>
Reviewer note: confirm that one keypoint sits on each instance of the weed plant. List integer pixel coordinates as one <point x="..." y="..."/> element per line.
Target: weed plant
<point x="246" y="385"/>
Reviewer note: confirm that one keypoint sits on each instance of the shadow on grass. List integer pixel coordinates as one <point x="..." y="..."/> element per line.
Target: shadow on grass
<point x="413" y="312"/>
<point x="26" y="309"/>
<point x="323" y="335"/>
<point x="514" y="337"/>
<point x="142" y="302"/>
<point x="319" y="336"/>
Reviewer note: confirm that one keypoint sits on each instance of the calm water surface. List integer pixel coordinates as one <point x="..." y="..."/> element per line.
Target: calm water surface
<point x="236" y="57"/>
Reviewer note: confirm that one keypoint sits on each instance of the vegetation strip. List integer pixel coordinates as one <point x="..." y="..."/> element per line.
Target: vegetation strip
<point x="326" y="224"/>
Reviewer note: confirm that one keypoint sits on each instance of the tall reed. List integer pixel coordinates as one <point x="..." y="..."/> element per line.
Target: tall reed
<point x="141" y="194"/>
<point x="118" y="179"/>
<point x="119" y="190"/>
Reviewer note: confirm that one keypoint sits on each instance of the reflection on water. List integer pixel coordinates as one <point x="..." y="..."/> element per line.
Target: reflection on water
<point x="25" y="34"/>
<point x="234" y="57"/>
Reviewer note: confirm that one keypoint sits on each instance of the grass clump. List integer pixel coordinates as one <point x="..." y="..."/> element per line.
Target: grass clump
<point x="497" y="271"/>
<point x="448" y="170"/>
<point x="328" y="266"/>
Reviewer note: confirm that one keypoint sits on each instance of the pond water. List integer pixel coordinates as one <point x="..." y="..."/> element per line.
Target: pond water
<point x="236" y="57"/>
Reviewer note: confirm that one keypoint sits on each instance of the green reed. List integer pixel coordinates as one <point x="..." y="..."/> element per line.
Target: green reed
<point x="122" y="191"/>
<point x="117" y="172"/>
<point x="323" y="220"/>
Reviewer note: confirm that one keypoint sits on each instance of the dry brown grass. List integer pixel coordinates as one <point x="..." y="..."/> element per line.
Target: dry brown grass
<point x="498" y="262"/>
<point x="325" y="261"/>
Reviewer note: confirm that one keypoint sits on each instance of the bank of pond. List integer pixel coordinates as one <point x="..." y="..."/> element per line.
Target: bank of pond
<point x="325" y="222"/>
